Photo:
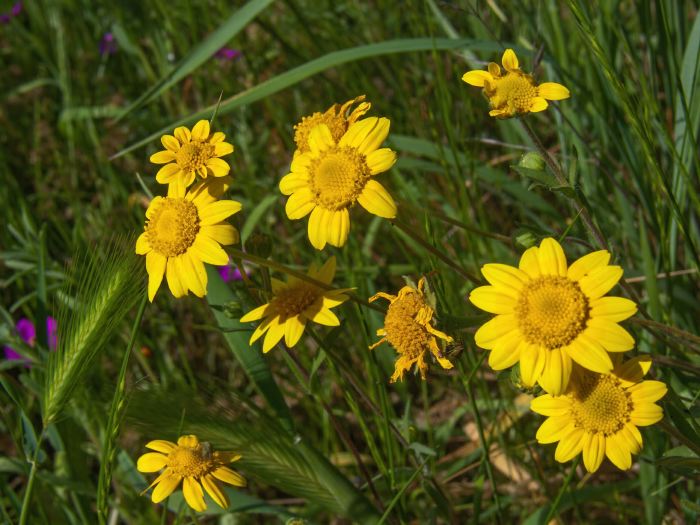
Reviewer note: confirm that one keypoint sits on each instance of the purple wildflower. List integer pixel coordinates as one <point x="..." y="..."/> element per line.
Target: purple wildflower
<point x="27" y="332"/>
<point x="108" y="46"/>
<point x="230" y="272"/>
<point x="227" y="54"/>
<point x="4" y="18"/>
<point x="16" y="9"/>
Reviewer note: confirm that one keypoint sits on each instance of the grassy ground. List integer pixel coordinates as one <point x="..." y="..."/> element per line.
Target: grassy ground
<point x="77" y="126"/>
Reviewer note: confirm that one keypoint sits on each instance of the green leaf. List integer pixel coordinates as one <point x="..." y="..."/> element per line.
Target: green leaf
<point x="296" y="75"/>
<point x="202" y="52"/>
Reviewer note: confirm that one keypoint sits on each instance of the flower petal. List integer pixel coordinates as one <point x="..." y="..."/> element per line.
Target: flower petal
<point x="161" y="445"/>
<point x="600" y="281"/>
<point x="151" y="462"/>
<point x="375" y="199"/>
<point x="214" y="490"/>
<point x="551" y="258"/>
<point x="477" y="77"/>
<point x="510" y="60"/>
<point x="200" y="131"/>
<point x="618" y="452"/>
<point x="183" y="134"/>
<point x="588" y="263"/>
<point x="255" y="314"/>
<point x="293" y="182"/>
<point x="142" y="246"/>
<point x="553" y="91"/>
<point x="646" y="414"/>
<point x="222" y="233"/>
<point x="338" y="227"/>
<point x="549" y="405"/>
<point x="570" y="444"/>
<point x="551" y="430"/>
<point x="170" y="143"/>
<point x="317" y="227"/>
<point x="165" y="487"/>
<point x="611" y="335"/>
<point x="293" y="330"/>
<point x="380" y="160"/>
<point x="593" y="451"/>
<point x="222" y="149"/>
<point x="218" y="211"/>
<point x="504" y="276"/>
<point x="488" y="333"/>
<point x="532" y="360"/>
<point x="493" y="299"/>
<point x="195" y="275"/>
<point x="300" y="204"/>
<point x="155" y="266"/>
<point x="162" y="157"/>
<point x="529" y="262"/>
<point x="506" y="351"/>
<point x="633" y="370"/>
<point x="274" y="334"/>
<point x="556" y="372"/>
<point x="209" y="251"/>
<point x="219" y="167"/>
<point x="167" y="173"/>
<point x="614" y="309"/>
<point x="320" y="139"/>
<point x="375" y="137"/>
<point x="590" y="354"/>
<point x="194" y="496"/>
<point x="325" y="317"/>
<point x="538" y="104"/>
<point x="175" y="279"/>
<point x="647" y="392"/>
<point x="229" y="476"/>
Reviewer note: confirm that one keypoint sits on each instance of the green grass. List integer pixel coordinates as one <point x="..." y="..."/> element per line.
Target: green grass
<point x="322" y="432"/>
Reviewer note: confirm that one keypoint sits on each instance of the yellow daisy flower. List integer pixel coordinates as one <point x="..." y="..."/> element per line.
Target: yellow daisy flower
<point x="549" y="315"/>
<point x="600" y="413"/>
<point x="407" y="327"/>
<point x="184" y="231"/>
<point x="336" y="118"/>
<point x="293" y="304"/>
<point x="193" y="463"/>
<point x="189" y="153"/>
<point x="332" y="176"/>
<point x="515" y="92"/>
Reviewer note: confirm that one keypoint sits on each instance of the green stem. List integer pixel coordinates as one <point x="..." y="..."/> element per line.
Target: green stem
<point x="299" y="275"/>
<point x="24" y="513"/>
<point x="437" y="253"/>
<point x="114" y="415"/>
<point x="565" y="486"/>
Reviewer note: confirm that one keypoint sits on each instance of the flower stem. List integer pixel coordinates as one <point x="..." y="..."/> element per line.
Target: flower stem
<point x="24" y="513"/>
<point x="555" y="505"/>
<point x="437" y="253"/>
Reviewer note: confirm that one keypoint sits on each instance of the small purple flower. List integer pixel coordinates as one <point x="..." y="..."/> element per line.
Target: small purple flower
<point x="27" y="332"/>
<point x="108" y="46"/>
<point x="227" y="54"/>
<point x="5" y="18"/>
<point x="16" y="9"/>
<point x="230" y="272"/>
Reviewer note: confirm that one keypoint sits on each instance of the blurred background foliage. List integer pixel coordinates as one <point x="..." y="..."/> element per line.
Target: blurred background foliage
<point x="87" y="85"/>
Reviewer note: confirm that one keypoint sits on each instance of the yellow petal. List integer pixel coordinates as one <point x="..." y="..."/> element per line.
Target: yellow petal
<point x="588" y="263"/>
<point x="552" y="260"/>
<point x="216" y="137"/>
<point x="504" y="276"/>
<point x="476" y="77"/>
<point x="380" y="160"/>
<point x="317" y="227"/>
<point x="493" y="300"/>
<point x="551" y="430"/>
<point x="590" y="355"/>
<point x="223" y="148"/>
<point x="209" y="251"/>
<point x="529" y="262"/>
<point x="338" y="227"/>
<point x="549" y="405"/>
<point x="600" y="281"/>
<point x="300" y="164"/>
<point x="165" y="487"/>
<point x="155" y="266"/>
<point x="214" y="490"/>
<point x="255" y="314"/>
<point x="293" y="182"/>
<point x="375" y="199"/>
<point x="142" y="246"/>
<point x="200" y="131"/>
<point x="162" y="157"/>
<point x="151" y="462"/>
<point x="593" y="451"/>
<point x="495" y="71"/>
<point x="611" y="335"/>
<point x="183" y="134"/>
<point x="261" y="329"/>
<point x="556" y="372"/>
<point x="510" y="60"/>
<point x="324" y="317"/>
<point x="375" y="137"/>
<point x="189" y="440"/>
<point x="647" y="392"/>
<point x="222" y="233"/>
<point x="218" y="211"/>
<point x="320" y="139"/>
<point x="170" y="143"/>
<point x="229" y="476"/>
<point x="273" y="336"/>
<point x="326" y="272"/>
<point x="161" y="445"/>
<point x="357" y="132"/>
<point x="570" y="444"/>
<point x="488" y="333"/>
<point x="167" y="173"/>
<point x="646" y="414"/>
<point x="532" y="359"/>
<point x="538" y="104"/>
<point x="633" y="370"/>
<point x="300" y="204"/>
<point x="194" y="496"/>
<point x="175" y="282"/>
<point x="617" y="451"/>
<point x="219" y="167"/>
<point x="614" y="309"/>
<point x="195" y="275"/>
<point x="552" y="91"/>
<point x="506" y="351"/>
<point x="293" y="329"/>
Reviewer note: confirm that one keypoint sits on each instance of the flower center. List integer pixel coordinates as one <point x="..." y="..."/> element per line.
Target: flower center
<point x="173" y="226"/>
<point x="514" y="91"/>
<point x="403" y="332"/>
<point x="600" y="404"/>
<point x="190" y="462"/>
<point x="338" y="177"/>
<point x="552" y="311"/>
<point x="294" y="300"/>
<point x="194" y="155"/>
<point x="337" y="124"/>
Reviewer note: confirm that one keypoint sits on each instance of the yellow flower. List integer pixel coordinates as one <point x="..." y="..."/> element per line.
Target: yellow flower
<point x="548" y="314"/>
<point x="193" y="463"/>
<point x="332" y="176"/>
<point x="407" y="327"/>
<point x="182" y="232"/>
<point x="515" y="92"/>
<point x="600" y="413"/>
<point x="336" y="118"/>
<point x="293" y="304"/>
<point x="190" y="153"/>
